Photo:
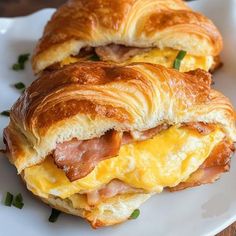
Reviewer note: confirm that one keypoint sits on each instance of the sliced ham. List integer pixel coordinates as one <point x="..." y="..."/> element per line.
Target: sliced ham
<point x="201" y="127"/>
<point x="118" y="53"/>
<point x="217" y="163"/>
<point x="110" y="190"/>
<point x="150" y="133"/>
<point x="78" y="158"/>
<point x="135" y="136"/>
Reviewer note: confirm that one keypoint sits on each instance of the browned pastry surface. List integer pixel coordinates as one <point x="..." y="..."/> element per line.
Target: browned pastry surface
<point x="125" y="96"/>
<point x="135" y="23"/>
<point x="83" y="101"/>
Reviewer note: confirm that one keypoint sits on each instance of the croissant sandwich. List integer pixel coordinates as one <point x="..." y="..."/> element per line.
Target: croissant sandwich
<point x="125" y="31"/>
<point x="96" y="140"/>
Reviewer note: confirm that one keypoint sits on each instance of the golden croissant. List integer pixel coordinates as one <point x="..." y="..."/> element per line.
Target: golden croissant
<point x="126" y="31"/>
<point x="96" y="140"/>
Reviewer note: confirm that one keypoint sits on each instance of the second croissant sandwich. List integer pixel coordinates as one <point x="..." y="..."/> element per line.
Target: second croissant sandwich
<point x="96" y="140"/>
<point x="126" y="31"/>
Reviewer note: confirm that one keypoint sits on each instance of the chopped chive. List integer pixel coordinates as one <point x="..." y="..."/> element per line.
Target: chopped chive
<point x="54" y="215"/>
<point x="18" y="204"/>
<point x="8" y="199"/>
<point x="178" y="59"/>
<point x="135" y="214"/>
<point x="5" y="113"/>
<point x="19" y="85"/>
<point x="181" y="55"/>
<point x="94" y="57"/>
<point x="22" y="59"/>
<point x="18" y="201"/>
<point x="176" y="64"/>
<point x="18" y="198"/>
<point x="17" y="67"/>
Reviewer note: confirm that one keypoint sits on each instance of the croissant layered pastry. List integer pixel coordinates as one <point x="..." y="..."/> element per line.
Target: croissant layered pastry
<point x="126" y="31"/>
<point x="96" y="139"/>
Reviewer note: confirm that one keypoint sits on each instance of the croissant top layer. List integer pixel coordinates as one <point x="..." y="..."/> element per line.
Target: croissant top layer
<point x="139" y="23"/>
<point x="84" y="100"/>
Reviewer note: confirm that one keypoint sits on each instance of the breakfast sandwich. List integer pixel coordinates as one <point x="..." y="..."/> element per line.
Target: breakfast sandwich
<point x="126" y="31"/>
<point x="96" y="139"/>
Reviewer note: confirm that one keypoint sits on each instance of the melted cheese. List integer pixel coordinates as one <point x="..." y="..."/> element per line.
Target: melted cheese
<point x="166" y="160"/>
<point x="165" y="57"/>
<point x="69" y="60"/>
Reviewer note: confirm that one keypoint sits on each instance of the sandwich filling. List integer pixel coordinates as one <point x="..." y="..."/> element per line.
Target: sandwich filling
<point x="125" y="55"/>
<point x="175" y="157"/>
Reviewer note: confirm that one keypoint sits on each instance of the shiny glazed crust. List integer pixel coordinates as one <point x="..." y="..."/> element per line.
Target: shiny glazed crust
<point x="84" y="100"/>
<point x="140" y="23"/>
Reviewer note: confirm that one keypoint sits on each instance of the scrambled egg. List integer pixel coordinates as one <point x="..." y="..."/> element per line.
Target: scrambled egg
<point x="165" y="160"/>
<point x="165" y="57"/>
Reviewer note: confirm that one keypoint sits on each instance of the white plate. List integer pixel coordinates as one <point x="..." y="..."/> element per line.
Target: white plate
<point x="204" y="210"/>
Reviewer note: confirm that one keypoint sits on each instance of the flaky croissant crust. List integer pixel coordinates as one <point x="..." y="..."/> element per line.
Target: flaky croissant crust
<point x="140" y="23"/>
<point x="106" y="214"/>
<point x="84" y="100"/>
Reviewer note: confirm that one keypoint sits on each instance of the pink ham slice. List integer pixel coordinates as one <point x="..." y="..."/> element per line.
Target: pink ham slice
<point x="118" y="53"/>
<point x="200" y="127"/>
<point x="79" y="158"/>
<point x="110" y="190"/>
<point x="135" y="136"/>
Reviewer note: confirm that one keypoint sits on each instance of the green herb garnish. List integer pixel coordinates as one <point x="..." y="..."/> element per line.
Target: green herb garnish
<point x="18" y="198"/>
<point x="54" y="215"/>
<point x="18" y="201"/>
<point x="5" y="113"/>
<point x="178" y="59"/>
<point x="19" y="86"/>
<point x="17" y="67"/>
<point x="135" y="214"/>
<point x="8" y="199"/>
<point x="18" y="204"/>
<point x="22" y="59"/>
<point x="94" y="57"/>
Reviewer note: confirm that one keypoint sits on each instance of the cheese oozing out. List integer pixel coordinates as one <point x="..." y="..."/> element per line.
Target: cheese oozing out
<point x="164" y="57"/>
<point x="163" y="161"/>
